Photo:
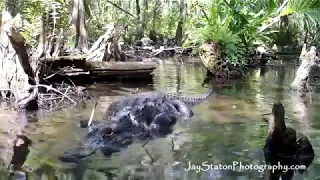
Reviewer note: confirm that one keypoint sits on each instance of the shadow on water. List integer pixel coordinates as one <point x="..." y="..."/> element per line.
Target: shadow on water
<point x="226" y="130"/>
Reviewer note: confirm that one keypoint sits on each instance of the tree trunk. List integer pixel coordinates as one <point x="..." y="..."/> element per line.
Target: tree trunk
<point x="138" y="7"/>
<point x="78" y="25"/>
<point x="180" y="24"/>
<point x="106" y="47"/>
<point x="309" y="60"/>
<point x="16" y="73"/>
<point x="153" y="34"/>
<point x="139" y="33"/>
<point x="141" y="29"/>
<point x="144" y="16"/>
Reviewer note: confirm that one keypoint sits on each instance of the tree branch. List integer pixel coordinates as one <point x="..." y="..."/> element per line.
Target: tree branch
<point x="275" y="19"/>
<point x="115" y="5"/>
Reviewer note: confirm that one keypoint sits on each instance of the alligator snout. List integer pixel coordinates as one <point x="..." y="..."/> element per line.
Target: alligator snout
<point x="75" y="157"/>
<point x="107" y="139"/>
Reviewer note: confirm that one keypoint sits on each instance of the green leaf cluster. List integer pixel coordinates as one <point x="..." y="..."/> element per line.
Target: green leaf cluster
<point x="239" y="25"/>
<point x="234" y="25"/>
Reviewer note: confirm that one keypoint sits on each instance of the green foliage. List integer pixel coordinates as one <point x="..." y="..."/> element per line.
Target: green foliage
<point x="303" y="16"/>
<point x="234" y="26"/>
<point x="34" y="12"/>
<point x="4" y="174"/>
<point x="167" y="23"/>
<point x="2" y="5"/>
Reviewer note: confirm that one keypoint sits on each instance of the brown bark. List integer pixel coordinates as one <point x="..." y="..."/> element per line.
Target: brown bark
<point x="138" y="7"/>
<point x="78" y="25"/>
<point x="180" y="23"/>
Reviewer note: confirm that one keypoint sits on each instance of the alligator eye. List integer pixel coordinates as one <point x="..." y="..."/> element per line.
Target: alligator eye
<point x="107" y="132"/>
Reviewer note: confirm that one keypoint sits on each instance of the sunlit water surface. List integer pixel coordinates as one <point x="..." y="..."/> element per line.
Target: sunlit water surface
<point x="226" y="129"/>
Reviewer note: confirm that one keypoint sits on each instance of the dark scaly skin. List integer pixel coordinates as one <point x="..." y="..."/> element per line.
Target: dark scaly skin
<point x="139" y="99"/>
<point x="142" y="116"/>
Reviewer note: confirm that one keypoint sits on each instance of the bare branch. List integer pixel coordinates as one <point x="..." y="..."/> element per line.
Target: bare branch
<point x="53" y="89"/>
<point x="115" y="5"/>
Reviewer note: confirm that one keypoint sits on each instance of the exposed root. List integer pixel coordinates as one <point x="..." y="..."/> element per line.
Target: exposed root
<point x="61" y="96"/>
<point x="54" y="98"/>
<point x="309" y="60"/>
<point x="57" y="91"/>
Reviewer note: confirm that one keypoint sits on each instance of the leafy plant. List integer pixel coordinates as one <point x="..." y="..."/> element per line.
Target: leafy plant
<point x="235" y="25"/>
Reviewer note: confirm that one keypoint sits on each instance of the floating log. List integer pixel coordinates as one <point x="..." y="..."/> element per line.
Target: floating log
<point x="71" y="58"/>
<point x="120" y="66"/>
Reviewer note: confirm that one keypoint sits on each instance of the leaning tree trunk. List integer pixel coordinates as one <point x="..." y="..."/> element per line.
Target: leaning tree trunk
<point x="78" y="25"/>
<point x="309" y="60"/>
<point x="106" y="48"/>
<point x="16" y="74"/>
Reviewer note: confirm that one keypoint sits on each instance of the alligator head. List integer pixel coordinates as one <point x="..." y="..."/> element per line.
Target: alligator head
<point x="106" y="137"/>
<point x="121" y="130"/>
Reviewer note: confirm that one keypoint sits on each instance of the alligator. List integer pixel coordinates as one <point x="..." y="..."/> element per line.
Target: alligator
<point x="142" y="116"/>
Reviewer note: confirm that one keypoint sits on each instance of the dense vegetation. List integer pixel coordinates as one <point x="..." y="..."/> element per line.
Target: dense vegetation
<point x="236" y="25"/>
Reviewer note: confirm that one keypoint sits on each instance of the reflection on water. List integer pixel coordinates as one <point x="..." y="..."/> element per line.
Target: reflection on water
<point x="226" y="129"/>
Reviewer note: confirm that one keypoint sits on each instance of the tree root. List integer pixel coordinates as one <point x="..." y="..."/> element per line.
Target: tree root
<point x="54" y="98"/>
<point x="55" y="90"/>
<point x="309" y="60"/>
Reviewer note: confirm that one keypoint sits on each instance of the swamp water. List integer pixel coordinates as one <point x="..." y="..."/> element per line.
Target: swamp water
<point x="226" y="129"/>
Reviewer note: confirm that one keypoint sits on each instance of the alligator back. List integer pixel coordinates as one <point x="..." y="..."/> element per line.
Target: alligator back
<point x="156" y="97"/>
<point x="192" y="100"/>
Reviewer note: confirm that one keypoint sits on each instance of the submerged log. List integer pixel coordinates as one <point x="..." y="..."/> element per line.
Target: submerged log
<point x="106" y="47"/>
<point x="309" y="60"/>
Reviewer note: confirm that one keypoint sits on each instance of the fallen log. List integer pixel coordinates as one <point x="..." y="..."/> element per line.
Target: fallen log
<point x="16" y="72"/>
<point x="120" y="66"/>
<point x="19" y="71"/>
